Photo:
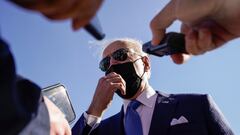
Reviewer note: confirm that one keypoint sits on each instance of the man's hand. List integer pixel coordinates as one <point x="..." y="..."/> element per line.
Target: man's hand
<point x="104" y="92"/>
<point x="79" y="11"/>
<point x="58" y="123"/>
<point x="206" y="24"/>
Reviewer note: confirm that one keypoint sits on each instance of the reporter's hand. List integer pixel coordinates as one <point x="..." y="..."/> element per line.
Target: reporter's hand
<point x="104" y="93"/>
<point x="79" y="11"/>
<point x="206" y="24"/>
<point x="58" y="123"/>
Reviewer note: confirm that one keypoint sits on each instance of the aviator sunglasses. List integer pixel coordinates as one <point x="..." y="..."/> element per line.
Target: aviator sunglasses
<point x="119" y="55"/>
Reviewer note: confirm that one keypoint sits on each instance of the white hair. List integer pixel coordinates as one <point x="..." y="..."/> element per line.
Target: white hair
<point x="101" y="45"/>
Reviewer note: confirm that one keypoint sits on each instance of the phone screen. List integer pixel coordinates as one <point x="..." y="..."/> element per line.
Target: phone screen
<point x="59" y="96"/>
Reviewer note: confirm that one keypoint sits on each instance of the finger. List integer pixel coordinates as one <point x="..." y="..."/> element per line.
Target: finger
<point x="61" y="131"/>
<point x="52" y="132"/>
<point x="210" y="36"/>
<point x="219" y="34"/>
<point x="115" y="80"/>
<point x="112" y="74"/>
<point x="185" y="28"/>
<point x="177" y="58"/>
<point x="161" y="21"/>
<point x="119" y="86"/>
<point x="68" y="129"/>
<point x="205" y="40"/>
<point x="80" y="21"/>
<point x="191" y="42"/>
<point x="180" y="58"/>
<point x="110" y="78"/>
<point x="119" y="80"/>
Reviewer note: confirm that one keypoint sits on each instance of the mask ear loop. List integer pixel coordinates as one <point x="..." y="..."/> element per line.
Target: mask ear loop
<point x="143" y="63"/>
<point x="144" y="69"/>
<point x="143" y="73"/>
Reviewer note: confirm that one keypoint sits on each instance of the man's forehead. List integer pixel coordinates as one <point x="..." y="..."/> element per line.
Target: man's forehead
<point x="117" y="45"/>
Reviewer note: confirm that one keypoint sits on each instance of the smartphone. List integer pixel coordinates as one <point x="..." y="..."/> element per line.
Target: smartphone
<point x="94" y="28"/>
<point x="57" y="93"/>
<point x="172" y="43"/>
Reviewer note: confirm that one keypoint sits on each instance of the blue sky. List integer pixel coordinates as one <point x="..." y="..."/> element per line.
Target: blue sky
<point x="49" y="52"/>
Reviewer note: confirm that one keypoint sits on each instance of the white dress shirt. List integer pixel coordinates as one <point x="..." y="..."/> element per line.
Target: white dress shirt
<point x="147" y="98"/>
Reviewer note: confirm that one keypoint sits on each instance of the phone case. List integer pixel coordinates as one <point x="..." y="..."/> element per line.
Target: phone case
<point x="58" y="95"/>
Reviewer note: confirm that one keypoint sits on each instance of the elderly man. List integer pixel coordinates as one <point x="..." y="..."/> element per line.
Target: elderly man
<point x="145" y="111"/>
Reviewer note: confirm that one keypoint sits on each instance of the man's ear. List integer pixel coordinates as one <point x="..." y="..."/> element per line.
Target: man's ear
<point x="146" y="62"/>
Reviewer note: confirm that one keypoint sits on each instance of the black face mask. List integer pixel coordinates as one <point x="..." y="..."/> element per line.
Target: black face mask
<point x="128" y="73"/>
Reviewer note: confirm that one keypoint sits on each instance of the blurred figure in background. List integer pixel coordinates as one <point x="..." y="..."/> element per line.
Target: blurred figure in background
<point x="24" y="110"/>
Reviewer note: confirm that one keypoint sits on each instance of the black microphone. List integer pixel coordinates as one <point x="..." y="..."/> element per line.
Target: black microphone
<point x="94" y="28"/>
<point x="172" y="43"/>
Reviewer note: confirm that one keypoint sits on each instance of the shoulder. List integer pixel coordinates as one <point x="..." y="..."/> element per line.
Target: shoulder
<point x="185" y="96"/>
<point x="30" y="93"/>
<point x="112" y="118"/>
<point x="189" y="98"/>
<point x="111" y="125"/>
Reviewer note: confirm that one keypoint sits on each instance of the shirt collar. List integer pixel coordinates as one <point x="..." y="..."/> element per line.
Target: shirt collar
<point x="146" y="98"/>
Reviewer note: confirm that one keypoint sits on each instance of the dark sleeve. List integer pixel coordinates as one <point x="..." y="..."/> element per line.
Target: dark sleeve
<point x="7" y="83"/>
<point x="19" y="98"/>
<point x="216" y="122"/>
<point x="81" y="127"/>
<point x="11" y="114"/>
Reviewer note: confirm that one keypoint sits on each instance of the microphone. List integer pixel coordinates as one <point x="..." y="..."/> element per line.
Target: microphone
<point x="172" y="43"/>
<point x="94" y="28"/>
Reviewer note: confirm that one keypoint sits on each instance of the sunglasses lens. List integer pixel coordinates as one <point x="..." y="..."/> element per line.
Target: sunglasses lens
<point x="104" y="64"/>
<point x="120" y="55"/>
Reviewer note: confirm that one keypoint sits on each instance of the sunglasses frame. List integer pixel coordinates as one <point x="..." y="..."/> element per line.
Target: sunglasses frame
<point x="119" y="55"/>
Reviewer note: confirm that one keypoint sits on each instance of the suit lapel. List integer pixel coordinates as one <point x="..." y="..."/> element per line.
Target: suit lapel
<point x="120" y="127"/>
<point x="162" y="115"/>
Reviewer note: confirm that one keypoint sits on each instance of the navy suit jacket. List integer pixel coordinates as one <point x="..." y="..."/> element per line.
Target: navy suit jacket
<point x="204" y="118"/>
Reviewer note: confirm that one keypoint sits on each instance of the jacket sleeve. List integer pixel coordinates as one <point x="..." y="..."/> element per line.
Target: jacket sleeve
<point x="216" y="122"/>
<point x="7" y="83"/>
<point x="19" y="97"/>
<point x="81" y="127"/>
<point x="12" y="114"/>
